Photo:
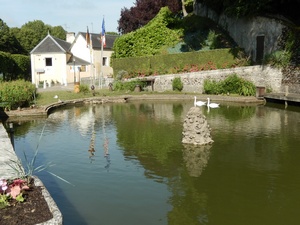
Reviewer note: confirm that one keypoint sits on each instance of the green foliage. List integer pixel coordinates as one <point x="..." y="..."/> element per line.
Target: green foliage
<point x="185" y="62"/>
<point x="16" y="93"/>
<point x="15" y="66"/>
<point x="177" y="84"/>
<point x="148" y="40"/>
<point x="128" y="86"/>
<point x="22" y="69"/>
<point x="8" y="42"/>
<point x="84" y="88"/>
<point x="232" y="85"/>
<point x="121" y="74"/>
<point x="33" y="32"/>
<point x="278" y="59"/>
<point x="211" y="87"/>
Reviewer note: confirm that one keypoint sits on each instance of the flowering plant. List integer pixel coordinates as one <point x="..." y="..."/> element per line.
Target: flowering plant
<point x="12" y="189"/>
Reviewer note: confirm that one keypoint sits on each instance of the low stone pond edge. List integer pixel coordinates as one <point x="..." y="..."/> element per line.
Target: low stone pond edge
<point x="57" y="215"/>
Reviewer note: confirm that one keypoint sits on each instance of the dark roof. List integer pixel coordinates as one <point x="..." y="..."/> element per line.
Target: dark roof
<point x="52" y="44"/>
<point x="78" y="61"/>
<point x="96" y="44"/>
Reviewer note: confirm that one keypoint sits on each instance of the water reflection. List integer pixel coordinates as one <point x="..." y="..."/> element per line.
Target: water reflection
<point x="247" y="176"/>
<point x="196" y="158"/>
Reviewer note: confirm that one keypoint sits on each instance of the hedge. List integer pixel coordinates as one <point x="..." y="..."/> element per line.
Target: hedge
<point x="177" y="63"/>
<point x="15" y="66"/>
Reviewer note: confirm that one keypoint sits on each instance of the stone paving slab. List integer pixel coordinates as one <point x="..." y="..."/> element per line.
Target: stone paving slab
<point x="7" y="155"/>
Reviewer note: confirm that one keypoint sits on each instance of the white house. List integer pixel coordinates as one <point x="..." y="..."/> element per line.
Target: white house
<point x="57" y="61"/>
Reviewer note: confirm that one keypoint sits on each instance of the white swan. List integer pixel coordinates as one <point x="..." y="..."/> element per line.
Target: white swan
<point x="212" y="105"/>
<point x="198" y="103"/>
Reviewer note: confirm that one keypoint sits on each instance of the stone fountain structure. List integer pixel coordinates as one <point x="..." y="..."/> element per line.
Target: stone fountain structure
<point x="195" y="128"/>
<point x="197" y="142"/>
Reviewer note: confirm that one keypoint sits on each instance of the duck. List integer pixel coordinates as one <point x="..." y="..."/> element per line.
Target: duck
<point x="198" y="103"/>
<point x="211" y="104"/>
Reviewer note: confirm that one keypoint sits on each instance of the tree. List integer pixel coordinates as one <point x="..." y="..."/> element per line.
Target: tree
<point x="144" y="11"/>
<point x="31" y="33"/>
<point x="8" y="42"/>
<point x="58" y="31"/>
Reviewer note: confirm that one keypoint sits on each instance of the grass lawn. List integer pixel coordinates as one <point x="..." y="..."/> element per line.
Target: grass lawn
<point x="47" y="97"/>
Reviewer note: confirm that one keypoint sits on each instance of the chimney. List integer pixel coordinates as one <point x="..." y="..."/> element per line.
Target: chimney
<point x="70" y="37"/>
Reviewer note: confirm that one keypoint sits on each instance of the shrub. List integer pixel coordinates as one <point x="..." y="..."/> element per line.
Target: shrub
<point x="232" y="84"/>
<point x="16" y="93"/>
<point x="211" y="87"/>
<point x="278" y="59"/>
<point x="128" y="86"/>
<point x="177" y="84"/>
<point x="121" y="74"/>
<point x="84" y="88"/>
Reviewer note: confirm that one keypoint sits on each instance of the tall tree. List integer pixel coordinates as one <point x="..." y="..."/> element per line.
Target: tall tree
<point x="31" y="33"/>
<point x="8" y="42"/>
<point x="144" y="11"/>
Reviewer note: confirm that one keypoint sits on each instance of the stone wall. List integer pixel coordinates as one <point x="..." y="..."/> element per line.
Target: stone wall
<point x="245" y="31"/>
<point x="193" y="82"/>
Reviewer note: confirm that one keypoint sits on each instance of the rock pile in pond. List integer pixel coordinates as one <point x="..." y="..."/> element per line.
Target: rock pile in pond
<point x="195" y="128"/>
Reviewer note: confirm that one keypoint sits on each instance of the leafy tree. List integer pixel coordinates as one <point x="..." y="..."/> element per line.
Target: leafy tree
<point x="58" y="31"/>
<point x="31" y="33"/>
<point x="143" y="11"/>
<point x="8" y="42"/>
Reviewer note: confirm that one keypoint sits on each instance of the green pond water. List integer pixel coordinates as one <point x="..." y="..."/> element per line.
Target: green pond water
<point x="127" y="165"/>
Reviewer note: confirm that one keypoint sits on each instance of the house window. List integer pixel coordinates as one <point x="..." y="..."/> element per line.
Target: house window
<point x="104" y="61"/>
<point x="48" y="61"/>
<point x="83" y="68"/>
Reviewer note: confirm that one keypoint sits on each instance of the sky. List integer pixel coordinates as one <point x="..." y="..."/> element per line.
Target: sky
<point x="72" y="15"/>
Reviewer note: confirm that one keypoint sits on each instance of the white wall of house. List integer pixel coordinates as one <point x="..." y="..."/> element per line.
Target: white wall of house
<point x="56" y="72"/>
<point x="80" y="50"/>
<point x="107" y="70"/>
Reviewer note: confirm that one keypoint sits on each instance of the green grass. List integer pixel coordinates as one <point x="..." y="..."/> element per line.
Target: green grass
<point x="47" y="98"/>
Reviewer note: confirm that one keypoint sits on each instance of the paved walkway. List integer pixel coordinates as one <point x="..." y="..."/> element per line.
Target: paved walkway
<point x="69" y="87"/>
<point x="8" y="156"/>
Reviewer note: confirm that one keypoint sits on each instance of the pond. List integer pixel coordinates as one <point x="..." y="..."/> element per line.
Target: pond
<point x="126" y="165"/>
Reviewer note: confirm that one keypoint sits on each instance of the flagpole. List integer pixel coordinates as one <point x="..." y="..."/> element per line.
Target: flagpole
<point x="102" y="44"/>
<point x="101" y="70"/>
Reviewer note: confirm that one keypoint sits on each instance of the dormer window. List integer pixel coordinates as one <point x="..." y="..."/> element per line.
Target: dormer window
<point x="48" y="61"/>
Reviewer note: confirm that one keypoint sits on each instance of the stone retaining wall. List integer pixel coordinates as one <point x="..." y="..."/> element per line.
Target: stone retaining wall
<point x="245" y="30"/>
<point x="193" y="82"/>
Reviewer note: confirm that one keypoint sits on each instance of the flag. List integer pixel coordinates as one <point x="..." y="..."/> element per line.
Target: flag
<point x="103" y="33"/>
<point x="87" y="37"/>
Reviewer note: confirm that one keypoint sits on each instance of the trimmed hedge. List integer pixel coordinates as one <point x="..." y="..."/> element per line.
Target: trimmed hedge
<point x="177" y="63"/>
<point x="14" y="66"/>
